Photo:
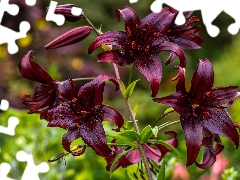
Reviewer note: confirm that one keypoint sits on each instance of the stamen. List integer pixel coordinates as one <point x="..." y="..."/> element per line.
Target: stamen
<point x="32" y="103"/>
<point x="208" y="93"/>
<point x="78" y="125"/>
<point x="74" y="100"/>
<point x="129" y="33"/>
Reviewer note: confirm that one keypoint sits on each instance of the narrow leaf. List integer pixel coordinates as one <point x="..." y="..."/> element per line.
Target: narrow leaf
<point x="129" y="176"/>
<point x="167" y="146"/>
<point x="145" y="134"/>
<point x="122" y="86"/>
<point x="130" y="89"/>
<point x="161" y="175"/>
<point x="135" y="109"/>
<point x="116" y="159"/>
<point x="129" y="137"/>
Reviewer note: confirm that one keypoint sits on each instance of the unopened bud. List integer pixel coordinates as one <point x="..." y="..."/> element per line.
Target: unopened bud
<point x="66" y="11"/>
<point x="71" y="37"/>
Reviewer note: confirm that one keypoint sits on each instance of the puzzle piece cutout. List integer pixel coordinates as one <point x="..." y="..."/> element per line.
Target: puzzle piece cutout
<point x="12" y="124"/>
<point x="12" y="121"/>
<point x="210" y="10"/>
<point x="7" y="35"/>
<point x="4" y="170"/>
<point x="58" y="18"/>
<point x="4" y="105"/>
<point x="133" y="1"/>
<point x="31" y="171"/>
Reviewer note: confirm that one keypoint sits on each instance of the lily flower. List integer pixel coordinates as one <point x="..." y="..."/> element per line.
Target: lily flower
<point x="141" y="43"/>
<point x="70" y="37"/>
<point x="154" y="154"/>
<point x="202" y="108"/>
<point x="83" y="117"/>
<point x="48" y="92"/>
<point x="186" y="36"/>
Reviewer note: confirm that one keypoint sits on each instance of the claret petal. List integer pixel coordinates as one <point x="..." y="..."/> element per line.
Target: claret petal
<point x="31" y="70"/>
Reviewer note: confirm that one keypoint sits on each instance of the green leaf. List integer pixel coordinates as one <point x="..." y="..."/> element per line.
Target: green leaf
<point x="129" y="137"/>
<point x="122" y="86"/>
<point x="130" y="89"/>
<point x="116" y="159"/>
<point x="135" y="109"/>
<point x="145" y="134"/>
<point x="155" y="131"/>
<point x="161" y="175"/>
<point x="167" y="146"/>
<point x="129" y="176"/>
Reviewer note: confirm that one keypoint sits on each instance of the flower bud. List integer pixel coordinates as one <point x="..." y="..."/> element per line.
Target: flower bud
<point x="65" y="10"/>
<point x="70" y="37"/>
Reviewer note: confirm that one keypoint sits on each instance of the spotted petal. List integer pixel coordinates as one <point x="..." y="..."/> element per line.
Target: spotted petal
<point x="91" y="94"/>
<point x="116" y="38"/>
<point x="130" y="18"/>
<point x="179" y="101"/>
<point x="150" y="66"/>
<point x="158" y="22"/>
<point x="193" y="135"/>
<point x="111" y="115"/>
<point x="202" y="80"/>
<point x="61" y="116"/>
<point x="93" y="135"/>
<point x="219" y="122"/>
<point x="221" y="95"/>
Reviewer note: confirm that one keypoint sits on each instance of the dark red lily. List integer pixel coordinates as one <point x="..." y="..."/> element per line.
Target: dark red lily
<point x="48" y="93"/>
<point x="83" y="117"/>
<point x="186" y="36"/>
<point x="202" y="108"/>
<point x="133" y="157"/>
<point x="141" y="43"/>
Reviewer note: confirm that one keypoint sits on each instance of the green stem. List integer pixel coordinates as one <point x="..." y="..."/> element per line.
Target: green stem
<point x="168" y="124"/>
<point x="90" y="23"/>
<point x="83" y="79"/>
<point x="141" y="149"/>
<point x="161" y="117"/>
<point x="131" y="74"/>
<point x="117" y="144"/>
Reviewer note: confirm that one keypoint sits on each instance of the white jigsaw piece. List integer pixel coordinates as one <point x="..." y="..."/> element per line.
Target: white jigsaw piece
<point x="31" y="171"/>
<point x="133" y="1"/>
<point x="4" y="170"/>
<point x="7" y="35"/>
<point x="12" y="124"/>
<point x="58" y="18"/>
<point x="12" y="121"/>
<point x="210" y="10"/>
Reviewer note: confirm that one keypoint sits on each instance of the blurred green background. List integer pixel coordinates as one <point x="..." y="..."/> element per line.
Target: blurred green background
<point x="32" y="134"/>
